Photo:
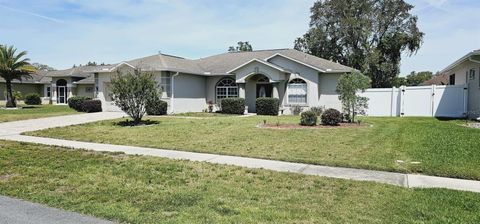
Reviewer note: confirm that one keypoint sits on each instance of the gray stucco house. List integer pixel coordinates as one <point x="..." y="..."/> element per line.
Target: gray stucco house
<point x="296" y="78"/>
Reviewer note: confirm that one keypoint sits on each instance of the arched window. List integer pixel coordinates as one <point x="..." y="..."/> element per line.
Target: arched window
<point x="226" y="88"/>
<point x="297" y="91"/>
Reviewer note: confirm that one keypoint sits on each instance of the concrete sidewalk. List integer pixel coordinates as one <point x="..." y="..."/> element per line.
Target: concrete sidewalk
<point x="12" y="130"/>
<point x="14" y="211"/>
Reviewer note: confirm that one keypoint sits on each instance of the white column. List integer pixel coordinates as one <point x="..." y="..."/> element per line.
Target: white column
<point x="53" y="93"/>
<point x="241" y="90"/>
<point x="275" y="91"/>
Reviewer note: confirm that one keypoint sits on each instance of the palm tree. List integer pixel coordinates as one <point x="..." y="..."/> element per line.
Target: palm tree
<point x="13" y="67"/>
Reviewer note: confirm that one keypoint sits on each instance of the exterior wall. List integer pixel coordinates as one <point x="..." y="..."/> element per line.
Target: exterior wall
<point x="258" y="68"/>
<point x="328" y="95"/>
<point x="462" y="77"/>
<point x="81" y="90"/>
<point x="299" y="71"/>
<point x="24" y="88"/>
<point x="189" y="93"/>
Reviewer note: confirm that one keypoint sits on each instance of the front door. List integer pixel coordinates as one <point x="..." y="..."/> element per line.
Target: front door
<point x="62" y="94"/>
<point x="264" y="90"/>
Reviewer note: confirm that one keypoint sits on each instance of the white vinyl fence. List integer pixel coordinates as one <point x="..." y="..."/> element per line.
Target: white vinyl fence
<point x="431" y="101"/>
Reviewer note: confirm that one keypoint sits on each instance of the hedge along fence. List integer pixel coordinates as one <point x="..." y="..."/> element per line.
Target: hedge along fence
<point x="267" y="106"/>
<point x="233" y="105"/>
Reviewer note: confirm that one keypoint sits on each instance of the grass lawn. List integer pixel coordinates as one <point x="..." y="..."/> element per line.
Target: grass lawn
<point x="25" y="112"/>
<point x="202" y="114"/>
<point x="136" y="189"/>
<point x="443" y="148"/>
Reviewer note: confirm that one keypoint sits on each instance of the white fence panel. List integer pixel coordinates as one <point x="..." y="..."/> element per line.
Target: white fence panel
<point x="417" y="101"/>
<point x="382" y="101"/>
<point x="450" y="101"/>
<point x="437" y="101"/>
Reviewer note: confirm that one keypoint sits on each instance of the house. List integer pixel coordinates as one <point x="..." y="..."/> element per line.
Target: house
<point x="296" y="78"/>
<point x="465" y="71"/>
<point x="37" y="83"/>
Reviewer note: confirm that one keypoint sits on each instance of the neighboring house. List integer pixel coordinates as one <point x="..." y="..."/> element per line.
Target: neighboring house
<point x="464" y="71"/>
<point x="36" y="84"/>
<point x="296" y="78"/>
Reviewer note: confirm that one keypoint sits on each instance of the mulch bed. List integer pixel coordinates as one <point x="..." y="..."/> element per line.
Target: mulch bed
<point x="297" y="126"/>
<point x="130" y="123"/>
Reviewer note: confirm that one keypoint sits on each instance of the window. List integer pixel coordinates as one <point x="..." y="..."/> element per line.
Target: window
<point x="166" y="84"/>
<point x="452" y="80"/>
<point x="89" y="89"/>
<point x="226" y="88"/>
<point x="472" y="74"/>
<point x="49" y="91"/>
<point x="297" y="91"/>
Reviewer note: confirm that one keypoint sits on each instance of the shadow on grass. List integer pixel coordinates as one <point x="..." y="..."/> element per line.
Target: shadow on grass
<point x="130" y="123"/>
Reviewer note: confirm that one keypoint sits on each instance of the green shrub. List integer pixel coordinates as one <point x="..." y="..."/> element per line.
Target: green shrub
<point x="156" y="106"/>
<point x="296" y="109"/>
<point x="308" y="118"/>
<point x="91" y="106"/>
<point x="331" y="117"/>
<point x="33" y="99"/>
<point x="318" y="110"/>
<point x="233" y="106"/>
<point x="76" y="102"/>
<point x="267" y="106"/>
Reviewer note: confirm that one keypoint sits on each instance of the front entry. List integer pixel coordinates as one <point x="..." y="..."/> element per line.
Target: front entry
<point x="61" y="91"/>
<point x="62" y="94"/>
<point x="264" y="90"/>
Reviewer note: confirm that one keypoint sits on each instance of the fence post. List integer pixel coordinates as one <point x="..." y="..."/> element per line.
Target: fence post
<point x="392" y="102"/>
<point x="432" y="107"/>
<point x="402" y="101"/>
<point x="465" y="100"/>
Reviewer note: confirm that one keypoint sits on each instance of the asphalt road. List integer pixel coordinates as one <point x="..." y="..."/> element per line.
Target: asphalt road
<point x="14" y="211"/>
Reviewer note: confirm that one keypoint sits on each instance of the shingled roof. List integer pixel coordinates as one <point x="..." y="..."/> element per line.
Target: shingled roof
<point x="223" y="63"/>
<point x="40" y="77"/>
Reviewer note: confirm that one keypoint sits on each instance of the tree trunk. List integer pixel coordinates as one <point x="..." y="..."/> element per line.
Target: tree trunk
<point x="10" y="100"/>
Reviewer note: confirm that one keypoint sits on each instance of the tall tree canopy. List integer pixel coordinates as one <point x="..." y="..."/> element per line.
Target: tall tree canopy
<point x="413" y="79"/>
<point x="368" y="35"/>
<point x="241" y="46"/>
<point x="13" y="67"/>
<point x="42" y="67"/>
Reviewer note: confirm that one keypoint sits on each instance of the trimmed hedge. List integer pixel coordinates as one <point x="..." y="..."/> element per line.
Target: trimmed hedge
<point x="308" y="118"/>
<point x="233" y="105"/>
<point x="156" y="107"/>
<point x="267" y="106"/>
<point x="331" y="117"/>
<point x="76" y="102"/>
<point x="33" y="99"/>
<point x="92" y="106"/>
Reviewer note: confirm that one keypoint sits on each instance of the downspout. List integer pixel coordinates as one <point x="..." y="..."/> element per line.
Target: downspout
<point x="172" y="98"/>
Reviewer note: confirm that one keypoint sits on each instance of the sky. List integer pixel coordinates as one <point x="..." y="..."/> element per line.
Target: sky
<point x="61" y="33"/>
